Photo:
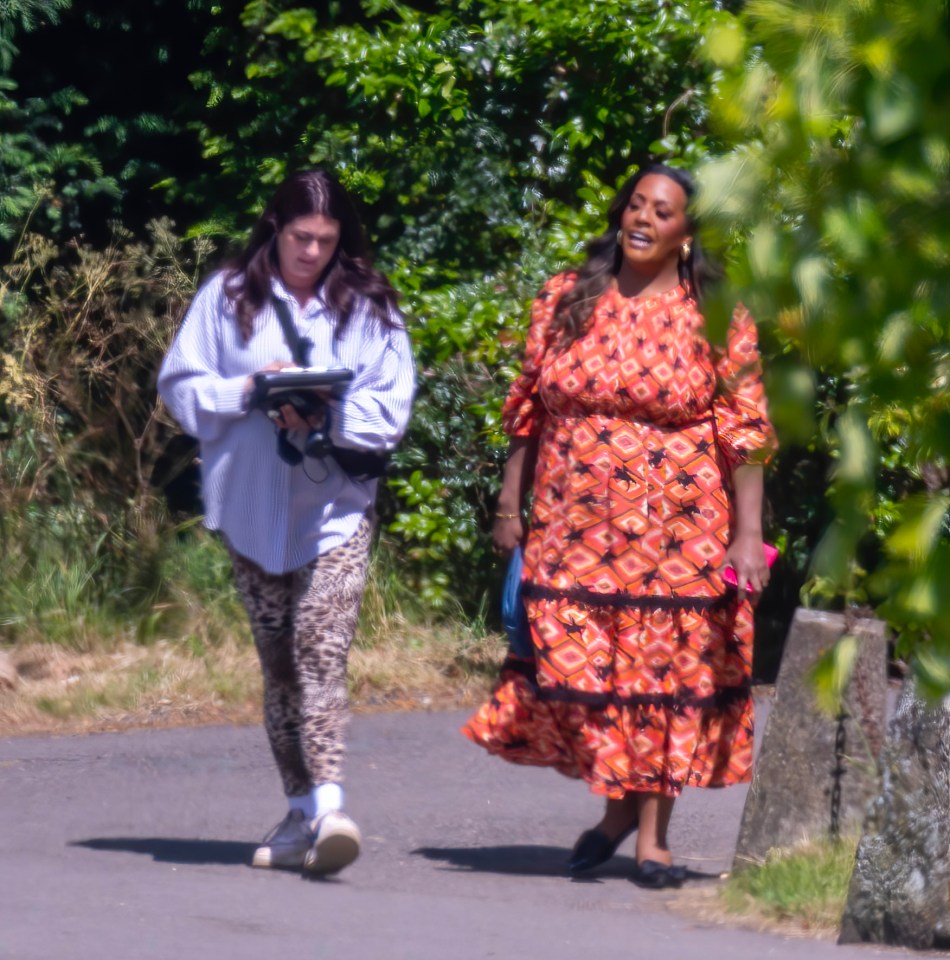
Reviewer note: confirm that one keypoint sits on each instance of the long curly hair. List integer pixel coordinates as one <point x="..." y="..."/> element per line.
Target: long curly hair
<point x="347" y="276"/>
<point x="604" y="257"/>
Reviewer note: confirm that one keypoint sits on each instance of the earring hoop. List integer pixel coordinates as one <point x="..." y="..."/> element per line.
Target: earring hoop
<point x="685" y="251"/>
<point x="619" y="237"/>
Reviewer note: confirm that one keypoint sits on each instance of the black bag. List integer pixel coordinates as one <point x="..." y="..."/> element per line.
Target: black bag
<point x="177" y="473"/>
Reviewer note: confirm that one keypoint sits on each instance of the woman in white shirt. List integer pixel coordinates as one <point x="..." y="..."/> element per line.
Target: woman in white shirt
<point x="298" y="527"/>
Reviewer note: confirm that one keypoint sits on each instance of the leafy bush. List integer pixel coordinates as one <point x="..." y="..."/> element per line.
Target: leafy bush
<point x="83" y="332"/>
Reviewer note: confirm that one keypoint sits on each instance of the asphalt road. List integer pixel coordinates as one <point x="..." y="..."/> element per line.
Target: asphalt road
<point x="135" y="846"/>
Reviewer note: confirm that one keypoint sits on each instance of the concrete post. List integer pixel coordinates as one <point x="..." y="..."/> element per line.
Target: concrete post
<point x="815" y="774"/>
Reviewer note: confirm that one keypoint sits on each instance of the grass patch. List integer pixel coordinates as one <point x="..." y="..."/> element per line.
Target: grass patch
<point x="805" y="887"/>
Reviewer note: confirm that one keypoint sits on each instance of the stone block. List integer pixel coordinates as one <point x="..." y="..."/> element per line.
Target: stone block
<point x="815" y="774"/>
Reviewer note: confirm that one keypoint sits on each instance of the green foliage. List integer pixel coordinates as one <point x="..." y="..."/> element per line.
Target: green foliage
<point x="456" y="123"/>
<point x="80" y="147"/>
<point x="22" y="16"/>
<point x="449" y="466"/>
<point x="33" y="155"/>
<point x="838" y="180"/>
<point x="830" y="674"/>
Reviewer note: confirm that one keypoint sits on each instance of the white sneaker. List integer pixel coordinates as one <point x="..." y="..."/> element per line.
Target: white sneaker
<point x="287" y="844"/>
<point x="336" y="843"/>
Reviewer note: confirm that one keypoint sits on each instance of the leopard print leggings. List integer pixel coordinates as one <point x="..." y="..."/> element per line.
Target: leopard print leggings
<point x="303" y="623"/>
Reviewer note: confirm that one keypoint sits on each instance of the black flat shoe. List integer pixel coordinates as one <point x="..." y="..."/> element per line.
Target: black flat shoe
<point x="652" y="875"/>
<point x="594" y="848"/>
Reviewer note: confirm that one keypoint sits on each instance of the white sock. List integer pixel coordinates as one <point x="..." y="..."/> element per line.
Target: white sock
<point x="326" y="797"/>
<point x="305" y="803"/>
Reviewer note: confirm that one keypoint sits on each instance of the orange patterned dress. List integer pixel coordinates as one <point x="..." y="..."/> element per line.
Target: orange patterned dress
<point x="642" y="668"/>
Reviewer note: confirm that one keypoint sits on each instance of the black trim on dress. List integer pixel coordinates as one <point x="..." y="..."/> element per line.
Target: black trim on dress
<point x="676" y="702"/>
<point x="594" y="599"/>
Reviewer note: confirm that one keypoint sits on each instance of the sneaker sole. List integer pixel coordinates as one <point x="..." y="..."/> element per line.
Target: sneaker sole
<point x="332" y="853"/>
<point x="264" y="859"/>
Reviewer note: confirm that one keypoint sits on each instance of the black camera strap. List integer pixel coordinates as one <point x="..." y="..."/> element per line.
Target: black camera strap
<point x="300" y="347"/>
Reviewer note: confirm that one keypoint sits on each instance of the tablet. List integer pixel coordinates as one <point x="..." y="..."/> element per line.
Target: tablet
<point x="272" y="383"/>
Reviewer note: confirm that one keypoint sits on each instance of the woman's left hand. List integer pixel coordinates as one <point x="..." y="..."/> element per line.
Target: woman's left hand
<point x="290" y="419"/>
<point x="746" y="555"/>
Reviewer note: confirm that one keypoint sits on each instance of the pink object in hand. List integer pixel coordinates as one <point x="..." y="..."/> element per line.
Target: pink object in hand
<point x="771" y="555"/>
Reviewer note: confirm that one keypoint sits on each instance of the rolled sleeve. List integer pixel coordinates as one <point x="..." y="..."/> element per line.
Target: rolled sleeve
<point x="374" y="413"/>
<point x="200" y="398"/>
<point x="746" y="434"/>
<point x="523" y="410"/>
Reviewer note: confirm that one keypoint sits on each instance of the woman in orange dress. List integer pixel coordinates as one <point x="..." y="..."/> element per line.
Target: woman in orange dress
<point x="642" y="447"/>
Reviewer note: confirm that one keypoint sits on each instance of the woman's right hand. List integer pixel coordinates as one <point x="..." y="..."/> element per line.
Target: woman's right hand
<point x="507" y="532"/>
<point x="270" y="368"/>
<point x="508" y="529"/>
<point x="289" y="418"/>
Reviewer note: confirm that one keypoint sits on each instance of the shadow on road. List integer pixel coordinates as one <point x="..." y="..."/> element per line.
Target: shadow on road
<point x="533" y="861"/>
<point x="171" y="850"/>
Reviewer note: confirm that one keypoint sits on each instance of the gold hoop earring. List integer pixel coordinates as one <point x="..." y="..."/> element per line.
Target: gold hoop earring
<point x="685" y="251"/>
<point x="619" y="237"/>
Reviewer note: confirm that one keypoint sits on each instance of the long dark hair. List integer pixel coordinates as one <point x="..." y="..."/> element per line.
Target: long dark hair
<point x="604" y="257"/>
<point x="347" y="276"/>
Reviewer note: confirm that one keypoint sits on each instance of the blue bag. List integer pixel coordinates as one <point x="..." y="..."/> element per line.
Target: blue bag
<point x="514" y="617"/>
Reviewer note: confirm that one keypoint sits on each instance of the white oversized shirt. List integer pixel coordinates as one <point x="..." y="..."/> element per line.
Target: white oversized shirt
<point x="277" y="515"/>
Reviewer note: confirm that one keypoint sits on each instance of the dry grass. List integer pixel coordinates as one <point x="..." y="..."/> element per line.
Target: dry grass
<point x="408" y="666"/>
<point x="56" y="690"/>
<point x="59" y="690"/>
